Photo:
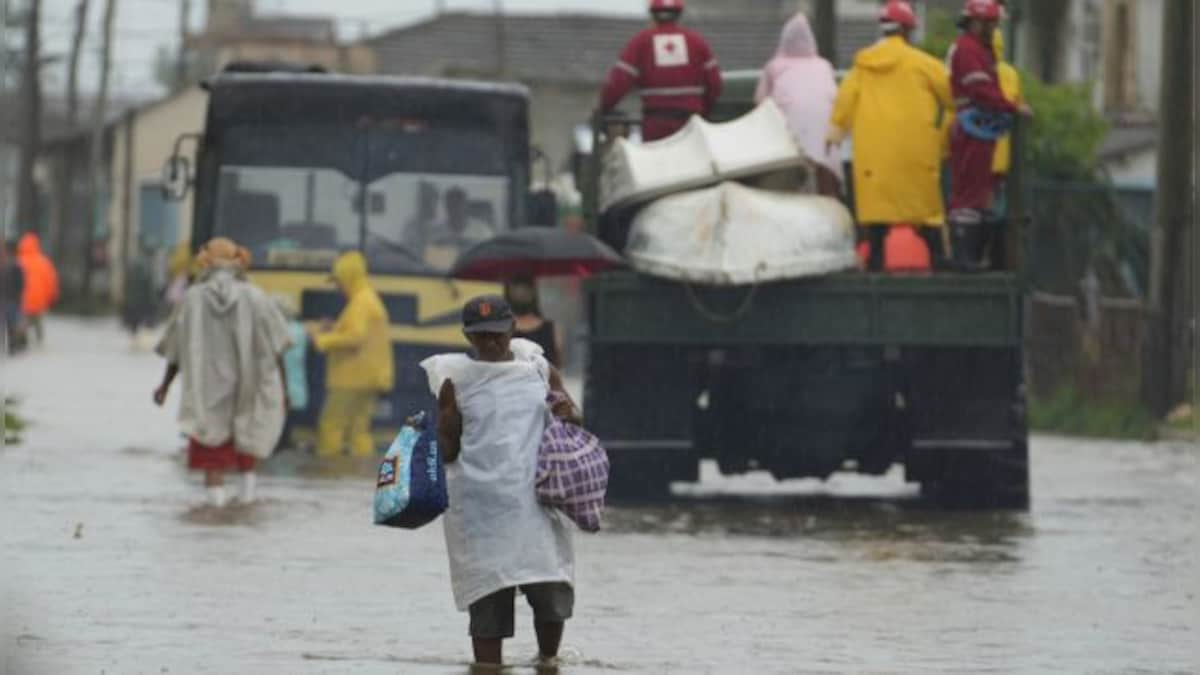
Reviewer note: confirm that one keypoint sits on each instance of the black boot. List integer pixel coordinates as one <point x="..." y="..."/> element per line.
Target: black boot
<point x="969" y="238"/>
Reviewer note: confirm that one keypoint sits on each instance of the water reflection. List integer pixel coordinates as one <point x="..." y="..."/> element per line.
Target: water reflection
<point x="885" y="528"/>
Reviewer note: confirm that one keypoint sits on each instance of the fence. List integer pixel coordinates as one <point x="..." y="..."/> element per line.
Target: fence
<point x="1088" y="265"/>
<point x="1096" y="352"/>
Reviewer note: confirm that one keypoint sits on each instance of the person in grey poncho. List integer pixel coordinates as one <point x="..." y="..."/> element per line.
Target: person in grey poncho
<point x="227" y="339"/>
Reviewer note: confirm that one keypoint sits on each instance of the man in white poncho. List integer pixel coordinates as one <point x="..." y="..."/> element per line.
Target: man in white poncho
<point x="227" y="339"/>
<point x="492" y="412"/>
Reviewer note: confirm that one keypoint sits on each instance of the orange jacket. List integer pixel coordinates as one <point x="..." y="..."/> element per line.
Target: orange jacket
<point x="41" y="279"/>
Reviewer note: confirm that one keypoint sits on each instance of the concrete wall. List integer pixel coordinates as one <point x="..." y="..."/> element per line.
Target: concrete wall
<point x="1149" y="52"/>
<point x="554" y="112"/>
<point x="154" y="130"/>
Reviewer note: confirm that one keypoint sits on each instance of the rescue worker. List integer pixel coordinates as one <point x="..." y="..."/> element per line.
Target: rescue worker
<point x="891" y="103"/>
<point x="673" y="69"/>
<point x="359" y="367"/>
<point x="41" y="283"/>
<point x="983" y="114"/>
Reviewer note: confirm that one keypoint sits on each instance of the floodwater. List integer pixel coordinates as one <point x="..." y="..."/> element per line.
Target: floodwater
<point x="106" y="567"/>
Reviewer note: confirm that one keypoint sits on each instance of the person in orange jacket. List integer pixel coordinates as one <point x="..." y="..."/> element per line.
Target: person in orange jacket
<point x="41" y="282"/>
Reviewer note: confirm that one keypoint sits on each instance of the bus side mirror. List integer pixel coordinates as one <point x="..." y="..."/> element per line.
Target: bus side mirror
<point x="176" y="178"/>
<point x="541" y="208"/>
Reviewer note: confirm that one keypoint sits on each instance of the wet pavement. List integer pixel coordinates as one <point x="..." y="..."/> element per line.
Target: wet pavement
<point x="107" y="567"/>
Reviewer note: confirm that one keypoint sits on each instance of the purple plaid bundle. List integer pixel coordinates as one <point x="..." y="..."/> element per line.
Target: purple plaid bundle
<point x="572" y="473"/>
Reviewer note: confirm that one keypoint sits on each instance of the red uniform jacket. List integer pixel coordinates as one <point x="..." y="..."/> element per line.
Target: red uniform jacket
<point x="675" y="72"/>
<point x="973" y="79"/>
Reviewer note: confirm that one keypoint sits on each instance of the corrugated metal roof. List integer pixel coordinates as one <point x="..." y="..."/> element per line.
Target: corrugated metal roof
<point x="572" y="48"/>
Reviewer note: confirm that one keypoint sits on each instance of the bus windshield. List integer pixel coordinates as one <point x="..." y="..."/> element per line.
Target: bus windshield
<point x="410" y="197"/>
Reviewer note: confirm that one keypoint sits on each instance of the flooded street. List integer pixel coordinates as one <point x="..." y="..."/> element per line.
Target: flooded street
<point x="106" y="567"/>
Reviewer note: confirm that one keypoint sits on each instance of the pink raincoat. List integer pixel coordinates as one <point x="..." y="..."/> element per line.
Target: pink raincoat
<point x="804" y="86"/>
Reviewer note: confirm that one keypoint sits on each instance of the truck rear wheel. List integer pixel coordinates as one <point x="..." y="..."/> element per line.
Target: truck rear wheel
<point x="974" y="478"/>
<point x="970" y="446"/>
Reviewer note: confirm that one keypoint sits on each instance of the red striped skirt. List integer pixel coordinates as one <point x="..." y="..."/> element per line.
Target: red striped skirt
<point x="223" y="457"/>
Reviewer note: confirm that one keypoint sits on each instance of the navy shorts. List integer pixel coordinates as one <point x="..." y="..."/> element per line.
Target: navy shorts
<point x="492" y="616"/>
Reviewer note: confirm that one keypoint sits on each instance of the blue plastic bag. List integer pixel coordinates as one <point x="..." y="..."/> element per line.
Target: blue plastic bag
<point x="411" y="488"/>
<point x="983" y="124"/>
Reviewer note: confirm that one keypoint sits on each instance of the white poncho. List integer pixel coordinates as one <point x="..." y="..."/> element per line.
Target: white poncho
<point x="226" y="337"/>
<point x="497" y="534"/>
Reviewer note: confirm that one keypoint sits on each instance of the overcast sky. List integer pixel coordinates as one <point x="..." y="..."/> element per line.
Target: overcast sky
<point x="144" y="25"/>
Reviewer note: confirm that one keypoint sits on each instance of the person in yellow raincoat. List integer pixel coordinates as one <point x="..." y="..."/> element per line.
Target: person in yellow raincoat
<point x="1010" y="86"/>
<point x="359" y="365"/>
<point x="892" y="102"/>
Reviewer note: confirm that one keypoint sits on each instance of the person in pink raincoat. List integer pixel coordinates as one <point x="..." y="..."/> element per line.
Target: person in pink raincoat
<point x="804" y="86"/>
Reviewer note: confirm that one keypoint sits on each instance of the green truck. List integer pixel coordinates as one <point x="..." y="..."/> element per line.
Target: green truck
<point x="803" y="378"/>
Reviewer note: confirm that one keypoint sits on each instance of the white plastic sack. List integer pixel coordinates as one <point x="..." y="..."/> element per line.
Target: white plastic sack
<point x="700" y="154"/>
<point x="733" y="235"/>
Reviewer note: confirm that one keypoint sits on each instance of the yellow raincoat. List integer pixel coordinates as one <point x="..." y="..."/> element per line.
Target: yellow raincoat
<point x="359" y="363"/>
<point x="1010" y="86"/>
<point x="892" y="103"/>
<point x="359" y="348"/>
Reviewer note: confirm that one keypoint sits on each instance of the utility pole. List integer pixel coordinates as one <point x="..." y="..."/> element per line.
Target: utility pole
<point x="825" y="29"/>
<point x="501" y="38"/>
<point x="181" y="63"/>
<point x="31" y="119"/>
<point x="1195" y="317"/>
<point x="1170" y="324"/>
<point x="96" y="154"/>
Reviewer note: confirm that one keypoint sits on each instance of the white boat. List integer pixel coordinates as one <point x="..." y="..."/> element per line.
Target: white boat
<point x="699" y="155"/>
<point x="732" y="235"/>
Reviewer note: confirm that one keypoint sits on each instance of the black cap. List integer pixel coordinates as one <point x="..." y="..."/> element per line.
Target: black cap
<point x="488" y="314"/>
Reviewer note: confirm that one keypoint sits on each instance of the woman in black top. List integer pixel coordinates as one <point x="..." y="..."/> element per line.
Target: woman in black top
<point x="522" y="296"/>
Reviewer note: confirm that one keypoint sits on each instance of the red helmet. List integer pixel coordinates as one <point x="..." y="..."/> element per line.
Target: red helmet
<point x="666" y="5"/>
<point x="984" y="10"/>
<point x="898" y="12"/>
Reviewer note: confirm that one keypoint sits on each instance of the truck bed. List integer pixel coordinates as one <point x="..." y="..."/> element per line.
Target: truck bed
<point x="851" y="309"/>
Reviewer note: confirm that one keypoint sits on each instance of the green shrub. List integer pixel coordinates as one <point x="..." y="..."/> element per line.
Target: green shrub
<point x="1066" y="412"/>
<point x="13" y="425"/>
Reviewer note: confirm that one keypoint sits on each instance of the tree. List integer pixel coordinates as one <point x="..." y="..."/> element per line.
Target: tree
<point x="31" y="120"/>
<point x="65" y="174"/>
<point x="81" y="14"/>
<point x="940" y="32"/>
<point x="1067" y="132"/>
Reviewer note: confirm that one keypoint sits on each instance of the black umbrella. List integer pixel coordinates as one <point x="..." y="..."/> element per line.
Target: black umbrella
<point x="533" y="252"/>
